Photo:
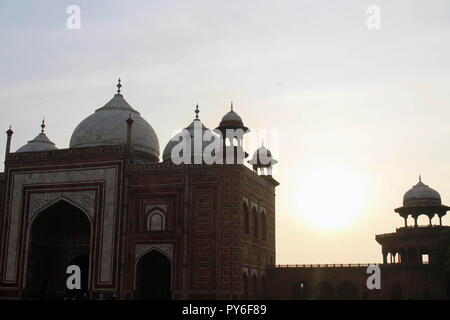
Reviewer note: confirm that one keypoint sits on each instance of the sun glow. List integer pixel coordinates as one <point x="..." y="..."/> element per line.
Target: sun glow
<point x="330" y="197"/>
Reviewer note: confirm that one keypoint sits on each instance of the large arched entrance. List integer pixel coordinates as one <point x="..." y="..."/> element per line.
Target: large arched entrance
<point x="301" y="291"/>
<point x="244" y="286"/>
<point x="153" y="277"/>
<point x="347" y="291"/>
<point x="324" y="291"/>
<point x="396" y="291"/>
<point x="58" y="237"/>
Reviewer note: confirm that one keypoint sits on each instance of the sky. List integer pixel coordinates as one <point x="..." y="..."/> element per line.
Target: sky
<point x="352" y="113"/>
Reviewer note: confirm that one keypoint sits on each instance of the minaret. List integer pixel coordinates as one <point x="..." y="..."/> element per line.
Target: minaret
<point x="9" y="134"/>
<point x="263" y="161"/>
<point x="232" y="129"/>
<point x="409" y="244"/>
<point x="422" y="200"/>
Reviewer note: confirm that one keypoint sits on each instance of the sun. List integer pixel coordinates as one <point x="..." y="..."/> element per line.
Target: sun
<point x="330" y="197"/>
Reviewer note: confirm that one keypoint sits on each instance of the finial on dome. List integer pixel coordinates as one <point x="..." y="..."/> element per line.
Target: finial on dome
<point x="197" y="111"/>
<point x="118" y="86"/>
<point x="130" y="120"/>
<point x="262" y="144"/>
<point x="420" y="177"/>
<point x="43" y="125"/>
<point x="231" y="105"/>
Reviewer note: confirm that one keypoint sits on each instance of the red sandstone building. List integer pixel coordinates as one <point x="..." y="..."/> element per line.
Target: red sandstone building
<point x="139" y="228"/>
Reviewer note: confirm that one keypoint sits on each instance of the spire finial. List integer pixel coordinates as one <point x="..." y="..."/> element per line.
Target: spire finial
<point x="118" y="86"/>
<point x="43" y="125"/>
<point x="130" y="120"/>
<point x="196" y="111"/>
<point x="231" y="105"/>
<point x="420" y="177"/>
<point x="263" y="142"/>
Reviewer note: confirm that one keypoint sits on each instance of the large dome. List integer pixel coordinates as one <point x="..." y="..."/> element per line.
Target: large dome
<point x="107" y="126"/>
<point x="421" y="195"/>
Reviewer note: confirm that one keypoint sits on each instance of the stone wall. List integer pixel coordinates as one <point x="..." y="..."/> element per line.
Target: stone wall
<point x="335" y="282"/>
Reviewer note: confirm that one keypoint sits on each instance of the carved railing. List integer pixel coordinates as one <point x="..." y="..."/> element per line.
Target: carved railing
<point x="327" y="265"/>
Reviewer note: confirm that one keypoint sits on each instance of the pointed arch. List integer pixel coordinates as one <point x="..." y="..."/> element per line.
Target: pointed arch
<point x="324" y="291"/>
<point x="156" y="220"/>
<point x="264" y="224"/>
<point x="347" y="291"/>
<point x="255" y="286"/>
<point x="246" y="218"/>
<point x="396" y="291"/>
<point x="245" y="290"/>
<point x="56" y="235"/>
<point x="83" y="199"/>
<point x="153" y="275"/>
<point x="255" y="222"/>
<point x="301" y="291"/>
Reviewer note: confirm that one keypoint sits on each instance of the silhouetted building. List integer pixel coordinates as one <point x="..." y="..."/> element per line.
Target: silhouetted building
<point x="136" y="227"/>
<point x="406" y="272"/>
<point x="142" y="229"/>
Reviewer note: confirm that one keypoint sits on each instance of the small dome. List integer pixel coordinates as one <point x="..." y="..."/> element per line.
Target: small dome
<point x="40" y="143"/>
<point x="232" y="121"/>
<point x="167" y="154"/>
<point x="231" y="116"/>
<point x="263" y="157"/>
<point x="421" y="195"/>
<point x="107" y="126"/>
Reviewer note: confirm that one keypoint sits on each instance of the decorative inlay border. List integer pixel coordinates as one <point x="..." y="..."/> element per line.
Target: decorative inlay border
<point x="167" y="248"/>
<point x="108" y="175"/>
<point x="84" y="199"/>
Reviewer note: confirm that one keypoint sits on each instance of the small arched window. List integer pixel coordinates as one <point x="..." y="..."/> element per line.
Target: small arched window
<point x="155" y="221"/>
<point x="255" y="223"/>
<point x="255" y="287"/>
<point x="245" y="286"/>
<point x="412" y="255"/>
<point x="246" y="219"/>
<point x="264" y="225"/>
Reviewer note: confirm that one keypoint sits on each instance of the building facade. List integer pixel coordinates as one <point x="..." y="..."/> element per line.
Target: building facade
<point x="141" y="228"/>
<point x="136" y="227"/>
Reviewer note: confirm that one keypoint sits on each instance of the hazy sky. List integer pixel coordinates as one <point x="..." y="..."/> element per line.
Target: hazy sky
<point x="373" y="104"/>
